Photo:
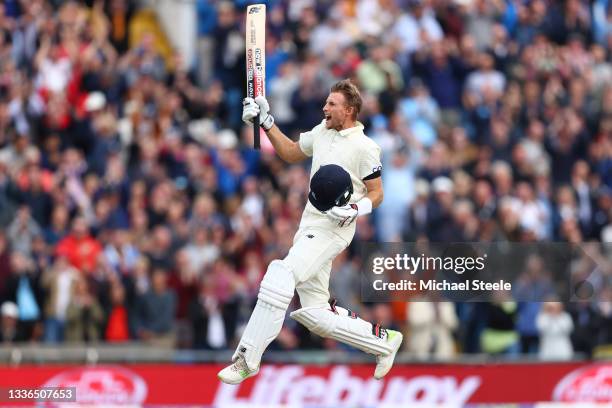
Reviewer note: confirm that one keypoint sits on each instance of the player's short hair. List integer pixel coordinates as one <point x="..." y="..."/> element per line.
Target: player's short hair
<point x="351" y="94"/>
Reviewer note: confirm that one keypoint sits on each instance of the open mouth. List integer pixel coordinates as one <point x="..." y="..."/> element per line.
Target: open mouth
<point x="327" y="118"/>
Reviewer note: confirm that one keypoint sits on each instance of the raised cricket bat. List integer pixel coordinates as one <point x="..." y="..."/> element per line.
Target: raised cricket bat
<point x="256" y="58"/>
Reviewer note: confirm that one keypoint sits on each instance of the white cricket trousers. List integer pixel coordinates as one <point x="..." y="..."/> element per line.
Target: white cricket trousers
<point x="306" y="268"/>
<point x="310" y="258"/>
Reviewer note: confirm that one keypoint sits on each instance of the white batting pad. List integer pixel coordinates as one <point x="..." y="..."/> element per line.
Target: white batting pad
<point x="275" y="294"/>
<point x="344" y="326"/>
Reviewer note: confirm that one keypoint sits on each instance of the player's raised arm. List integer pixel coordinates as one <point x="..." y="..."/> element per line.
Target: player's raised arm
<point x="287" y="149"/>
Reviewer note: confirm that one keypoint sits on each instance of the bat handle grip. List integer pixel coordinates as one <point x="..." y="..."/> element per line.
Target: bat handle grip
<point x="256" y="143"/>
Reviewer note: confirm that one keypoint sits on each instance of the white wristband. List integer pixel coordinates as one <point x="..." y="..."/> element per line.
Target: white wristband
<point x="267" y="123"/>
<point x="364" y="206"/>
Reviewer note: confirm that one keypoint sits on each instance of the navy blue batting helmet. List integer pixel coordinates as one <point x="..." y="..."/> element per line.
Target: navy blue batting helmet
<point x="330" y="186"/>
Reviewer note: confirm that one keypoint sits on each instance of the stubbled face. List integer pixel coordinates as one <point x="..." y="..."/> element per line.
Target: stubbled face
<point x="337" y="113"/>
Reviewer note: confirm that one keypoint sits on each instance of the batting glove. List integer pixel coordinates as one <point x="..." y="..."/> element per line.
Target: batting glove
<point x="258" y="106"/>
<point x="265" y="119"/>
<point x="343" y="216"/>
<point x="250" y="110"/>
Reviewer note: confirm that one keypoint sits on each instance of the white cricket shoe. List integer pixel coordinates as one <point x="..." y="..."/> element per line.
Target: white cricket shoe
<point x="236" y="372"/>
<point x="384" y="363"/>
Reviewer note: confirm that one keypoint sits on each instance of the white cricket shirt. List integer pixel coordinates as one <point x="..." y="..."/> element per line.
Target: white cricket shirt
<point x="354" y="152"/>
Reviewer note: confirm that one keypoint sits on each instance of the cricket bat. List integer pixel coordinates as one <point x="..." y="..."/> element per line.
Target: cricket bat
<point x="256" y="58"/>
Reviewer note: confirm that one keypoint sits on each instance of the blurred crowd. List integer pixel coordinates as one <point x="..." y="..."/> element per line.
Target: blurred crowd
<point x="133" y="207"/>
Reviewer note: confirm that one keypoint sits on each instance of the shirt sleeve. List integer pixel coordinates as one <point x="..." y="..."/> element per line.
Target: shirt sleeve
<point x="370" y="166"/>
<point x="306" y="142"/>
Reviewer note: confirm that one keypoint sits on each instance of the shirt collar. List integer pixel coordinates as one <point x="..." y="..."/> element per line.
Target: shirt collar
<point x="357" y="128"/>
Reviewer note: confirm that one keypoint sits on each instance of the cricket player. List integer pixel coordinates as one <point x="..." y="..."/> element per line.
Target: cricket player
<point x="345" y="183"/>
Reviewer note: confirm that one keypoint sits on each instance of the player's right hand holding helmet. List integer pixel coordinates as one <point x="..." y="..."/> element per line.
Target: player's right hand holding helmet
<point x="258" y="106"/>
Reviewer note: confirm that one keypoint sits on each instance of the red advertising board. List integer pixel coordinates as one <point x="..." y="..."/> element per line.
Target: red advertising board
<point x="326" y="385"/>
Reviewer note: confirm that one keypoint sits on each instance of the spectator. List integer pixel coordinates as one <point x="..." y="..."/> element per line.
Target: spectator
<point x="229" y="58"/>
<point x="79" y="247"/>
<point x="8" y="323"/>
<point x="571" y="18"/>
<point x="603" y="308"/>
<point x="22" y="231"/>
<point x="119" y="14"/>
<point x="58" y="226"/>
<point x="379" y="72"/>
<point x="603" y="224"/>
<point x="499" y="335"/>
<point x="208" y="316"/>
<point x="120" y="253"/>
<point x="601" y="21"/>
<point x="531" y="21"/>
<point x="555" y="327"/>
<point x="54" y="66"/>
<point x="443" y="71"/>
<point x="584" y="195"/>
<point x="281" y="89"/>
<point x="484" y="200"/>
<point x="437" y="163"/>
<point x="421" y="111"/>
<point x="400" y="173"/>
<point x="503" y="179"/>
<point x="84" y="315"/>
<point x="23" y="288"/>
<point x="534" y="216"/>
<point x="418" y="212"/>
<point x="140" y="277"/>
<point x="160" y="248"/>
<point x="183" y="281"/>
<point x="117" y="323"/>
<point x="417" y="27"/>
<point x="58" y="281"/>
<point x="5" y="264"/>
<point x="565" y="144"/>
<point x="155" y="311"/>
<point x="9" y="194"/>
<point x="375" y="17"/>
<point x="34" y="190"/>
<point x="200" y="251"/>
<point x="533" y="285"/>
<point x="329" y="38"/>
<point x="486" y="79"/>
<point x="206" y="22"/>
<point x="480" y="21"/>
<point x="309" y="96"/>
<point x="232" y="168"/>
<point x="464" y="223"/>
<point x="439" y="211"/>
<point x="431" y="325"/>
<point x="585" y="321"/>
